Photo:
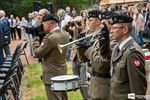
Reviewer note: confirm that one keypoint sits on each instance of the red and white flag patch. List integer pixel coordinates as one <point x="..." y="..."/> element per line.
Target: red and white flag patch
<point x="42" y="44"/>
<point x="136" y="63"/>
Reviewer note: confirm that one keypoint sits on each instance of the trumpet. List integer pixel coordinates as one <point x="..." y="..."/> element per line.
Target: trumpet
<point x="60" y="47"/>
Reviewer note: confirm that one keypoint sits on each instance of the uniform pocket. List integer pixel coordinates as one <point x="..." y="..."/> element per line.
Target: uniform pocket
<point x="122" y="71"/>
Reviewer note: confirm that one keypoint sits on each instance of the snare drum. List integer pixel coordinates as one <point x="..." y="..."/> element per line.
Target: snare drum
<point x="65" y="83"/>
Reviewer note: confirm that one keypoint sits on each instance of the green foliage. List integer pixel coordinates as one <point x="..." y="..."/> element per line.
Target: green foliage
<point x="23" y="7"/>
<point x="39" y="98"/>
<point x="35" y="87"/>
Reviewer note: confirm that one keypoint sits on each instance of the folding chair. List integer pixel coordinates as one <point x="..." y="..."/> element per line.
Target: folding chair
<point x="3" y="90"/>
<point x="23" y="51"/>
<point x="8" y="72"/>
<point x="8" y="59"/>
<point x="13" y="64"/>
<point x="8" y="85"/>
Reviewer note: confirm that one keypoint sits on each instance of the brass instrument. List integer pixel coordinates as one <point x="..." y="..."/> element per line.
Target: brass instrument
<point x="60" y="47"/>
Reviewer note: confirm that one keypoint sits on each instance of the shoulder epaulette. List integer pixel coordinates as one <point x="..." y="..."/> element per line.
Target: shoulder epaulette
<point x="48" y="34"/>
<point x="131" y="47"/>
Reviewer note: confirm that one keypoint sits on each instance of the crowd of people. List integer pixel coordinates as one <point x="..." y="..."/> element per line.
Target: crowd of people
<point x="110" y="63"/>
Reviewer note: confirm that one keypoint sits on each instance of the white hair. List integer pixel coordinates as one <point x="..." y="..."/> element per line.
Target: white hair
<point x="2" y="13"/>
<point x="61" y="12"/>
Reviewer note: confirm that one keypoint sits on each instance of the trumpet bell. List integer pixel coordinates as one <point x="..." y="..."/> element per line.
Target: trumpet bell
<point x="60" y="47"/>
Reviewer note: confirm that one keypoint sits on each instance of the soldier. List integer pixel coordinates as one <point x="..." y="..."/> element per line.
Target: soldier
<point x="99" y="56"/>
<point x="127" y="61"/>
<point x="53" y="62"/>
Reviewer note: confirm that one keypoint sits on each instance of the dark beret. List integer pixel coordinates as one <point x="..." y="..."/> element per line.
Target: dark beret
<point x="49" y="17"/>
<point x="120" y="18"/>
<point x="105" y="15"/>
<point x="93" y="13"/>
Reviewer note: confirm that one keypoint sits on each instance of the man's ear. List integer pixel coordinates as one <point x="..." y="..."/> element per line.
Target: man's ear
<point x="126" y="29"/>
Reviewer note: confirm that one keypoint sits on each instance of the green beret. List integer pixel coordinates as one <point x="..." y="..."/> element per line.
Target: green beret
<point x="105" y="15"/>
<point x="120" y="18"/>
<point x="48" y="18"/>
<point x="93" y="13"/>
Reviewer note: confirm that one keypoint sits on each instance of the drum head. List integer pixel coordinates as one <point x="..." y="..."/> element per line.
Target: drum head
<point x="64" y="77"/>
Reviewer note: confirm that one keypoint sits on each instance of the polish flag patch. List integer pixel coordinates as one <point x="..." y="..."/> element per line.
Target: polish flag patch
<point x="42" y="44"/>
<point x="136" y="63"/>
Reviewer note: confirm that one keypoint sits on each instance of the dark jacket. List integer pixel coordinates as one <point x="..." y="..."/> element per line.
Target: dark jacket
<point x="5" y="31"/>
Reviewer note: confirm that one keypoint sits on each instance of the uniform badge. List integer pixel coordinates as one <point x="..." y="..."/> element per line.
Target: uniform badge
<point x="136" y="63"/>
<point x="42" y="44"/>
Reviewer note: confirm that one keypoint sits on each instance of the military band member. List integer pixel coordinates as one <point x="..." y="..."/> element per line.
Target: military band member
<point x="99" y="56"/>
<point x="79" y="67"/>
<point x="127" y="61"/>
<point x="53" y="62"/>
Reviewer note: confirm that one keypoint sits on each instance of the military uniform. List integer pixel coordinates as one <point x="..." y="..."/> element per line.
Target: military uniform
<point x="128" y="67"/>
<point x="128" y="72"/>
<point x="53" y="62"/>
<point x="99" y="54"/>
<point x="100" y="79"/>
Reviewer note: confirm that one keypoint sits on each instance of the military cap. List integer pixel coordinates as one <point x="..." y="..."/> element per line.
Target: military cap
<point x="120" y="18"/>
<point x="49" y="17"/>
<point x="93" y="13"/>
<point x="105" y="15"/>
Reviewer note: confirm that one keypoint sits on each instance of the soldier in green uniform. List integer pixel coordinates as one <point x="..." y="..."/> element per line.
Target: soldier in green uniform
<point x="127" y="61"/>
<point x="53" y="62"/>
<point x="99" y="55"/>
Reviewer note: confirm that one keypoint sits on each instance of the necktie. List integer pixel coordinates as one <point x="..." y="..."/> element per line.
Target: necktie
<point x="11" y="22"/>
<point x="117" y="51"/>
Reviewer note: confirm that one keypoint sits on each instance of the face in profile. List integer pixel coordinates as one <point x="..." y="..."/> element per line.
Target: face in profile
<point x="117" y="31"/>
<point x="93" y="23"/>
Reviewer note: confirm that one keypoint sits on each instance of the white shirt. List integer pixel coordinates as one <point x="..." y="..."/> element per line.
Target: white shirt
<point x="124" y="42"/>
<point x="67" y="18"/>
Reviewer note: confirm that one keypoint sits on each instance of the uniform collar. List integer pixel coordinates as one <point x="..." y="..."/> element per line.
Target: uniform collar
<point x="54" y="29"/>
<point x="124" y="42"/>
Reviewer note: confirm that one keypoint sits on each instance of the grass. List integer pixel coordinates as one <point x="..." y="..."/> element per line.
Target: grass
<point x="34" y="86"/>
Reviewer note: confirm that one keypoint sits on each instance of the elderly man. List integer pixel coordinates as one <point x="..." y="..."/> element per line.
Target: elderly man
<point x="36" y="22"/>
<point x="127" y="61"/>
<point x="6" y="33"/>
<point x="53" y="62"/>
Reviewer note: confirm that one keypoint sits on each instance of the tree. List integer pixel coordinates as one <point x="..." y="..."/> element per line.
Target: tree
<point x="23" y="7"/>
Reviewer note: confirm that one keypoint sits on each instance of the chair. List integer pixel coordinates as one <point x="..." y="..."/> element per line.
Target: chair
<point x="11" y="69"/>
<point x="9" y="66"/>
<point x="8" y="85"/>
<point x="23" y="51"/>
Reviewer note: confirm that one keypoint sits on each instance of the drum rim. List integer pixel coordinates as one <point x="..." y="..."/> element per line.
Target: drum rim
<point x="66" y="90"/>
<point x="52" y="79"/>
<point x="65" y="80"/>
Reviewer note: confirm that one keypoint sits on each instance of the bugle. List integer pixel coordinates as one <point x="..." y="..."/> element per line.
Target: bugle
<point x="60" y="47"/>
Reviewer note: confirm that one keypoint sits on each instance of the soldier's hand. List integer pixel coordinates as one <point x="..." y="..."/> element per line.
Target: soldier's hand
<point x="81" y="35"/>
<point x="104" y="42"/>
<point x="85" y="43"/>
<point x="104" y="33"/>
